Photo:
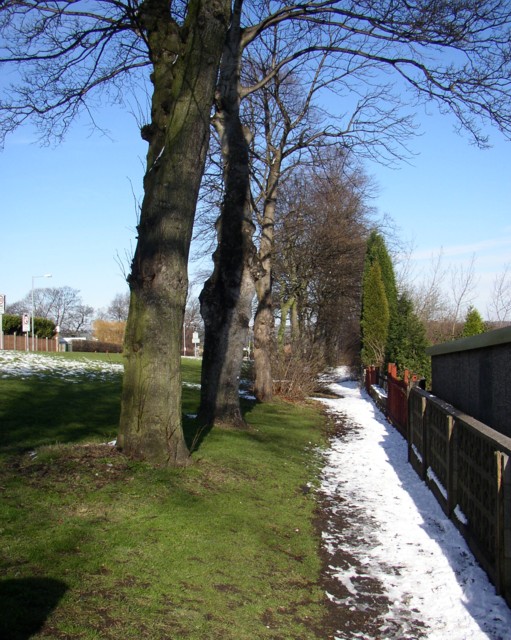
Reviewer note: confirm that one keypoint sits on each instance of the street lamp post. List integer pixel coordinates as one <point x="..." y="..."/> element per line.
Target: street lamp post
<point x="46" y="275"/>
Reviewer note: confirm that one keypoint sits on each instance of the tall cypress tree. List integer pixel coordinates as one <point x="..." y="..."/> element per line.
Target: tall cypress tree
<point x="377" y="251"/>
<point x="375" y="316"/>
<point x="377" y="254"/>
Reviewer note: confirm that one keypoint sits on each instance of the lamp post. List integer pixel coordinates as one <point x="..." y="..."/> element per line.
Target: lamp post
<point x="46" y="275"/>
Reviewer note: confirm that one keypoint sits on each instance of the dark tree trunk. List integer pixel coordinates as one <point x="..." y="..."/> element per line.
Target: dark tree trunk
<point x="226" y="299"/>
<point x="185" y="64"/>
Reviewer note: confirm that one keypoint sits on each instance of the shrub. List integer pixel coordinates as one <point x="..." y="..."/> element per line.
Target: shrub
<point x="11" y="324"/>
<point x="44" y="328"/>
<point x="107" y="331"/>
<point x="295" y="371"/>
<point x="474" y="324"/>
<point x="95" y="346"/>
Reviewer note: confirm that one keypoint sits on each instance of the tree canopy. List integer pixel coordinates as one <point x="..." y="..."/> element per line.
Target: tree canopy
<point x="70" y="54"/>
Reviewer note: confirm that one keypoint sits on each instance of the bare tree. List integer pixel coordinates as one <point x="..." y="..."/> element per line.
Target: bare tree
<point x="461" y="293"/>
<point x="321" y="230"/>
<point x="442" y="55"/>
<point x="63" y="305"/>
<point x="118" y="309"/>
<point x="428" y="296"/>
<point x="499" y="308"/>
<point x="443" y="295"/>
<point x="297" y="130"/>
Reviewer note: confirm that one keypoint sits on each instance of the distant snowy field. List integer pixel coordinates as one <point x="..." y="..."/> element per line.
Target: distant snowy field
<point x="401" y="538"/>
<point x="18" y="364"/>
<point x="24" y="365"/>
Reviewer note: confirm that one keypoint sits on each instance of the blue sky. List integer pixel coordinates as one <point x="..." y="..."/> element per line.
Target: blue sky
<point x="70" y="210"/>
<point x="453" y="198"/>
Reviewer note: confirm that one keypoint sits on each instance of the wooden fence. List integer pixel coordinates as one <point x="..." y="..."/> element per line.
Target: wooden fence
<point x="391" y="393"/>
<point x="467" y="466"/>
<point x="24" y="342"/>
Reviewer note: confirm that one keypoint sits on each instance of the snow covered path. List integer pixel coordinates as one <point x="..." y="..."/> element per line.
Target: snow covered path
<point x="398" y="567"/>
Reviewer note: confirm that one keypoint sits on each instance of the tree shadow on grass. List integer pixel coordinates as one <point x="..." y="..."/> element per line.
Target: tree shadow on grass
<point x="26" y="603"/>
<point x="38" y="412"/>
<point x="195" y="432"/>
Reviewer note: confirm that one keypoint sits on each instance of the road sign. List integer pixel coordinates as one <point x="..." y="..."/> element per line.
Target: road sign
<point x="195" y="338"/>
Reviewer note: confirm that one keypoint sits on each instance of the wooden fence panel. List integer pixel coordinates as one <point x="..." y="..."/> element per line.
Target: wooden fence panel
<point x="397" y="404"/>
<point x="371" y="377"/>
<point x="25" y="343"/>
<point x="416" y="434"/>
<point x="438" y="435"/>
<point x="477" y="489"/>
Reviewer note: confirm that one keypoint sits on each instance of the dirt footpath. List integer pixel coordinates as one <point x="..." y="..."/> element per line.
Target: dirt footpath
<point x="357" y="606"/>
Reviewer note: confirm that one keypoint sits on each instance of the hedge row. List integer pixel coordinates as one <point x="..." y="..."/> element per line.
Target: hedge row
<point x="95" y="346"/>
<point x="11" y="324"/>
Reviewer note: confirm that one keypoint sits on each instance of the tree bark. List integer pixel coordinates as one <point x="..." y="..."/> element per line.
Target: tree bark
<point x="263" y="320"/>
<point x="185" y="64"/>
<point x="226" y="299"/>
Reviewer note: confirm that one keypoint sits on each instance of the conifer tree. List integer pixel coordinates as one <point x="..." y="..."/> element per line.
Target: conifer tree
<point x="377" y="251"/>
<point x="377" y="254"/>
<point x="474" y="324"/>
<point x="409" y="347"/>
<point x="375" y="316"/>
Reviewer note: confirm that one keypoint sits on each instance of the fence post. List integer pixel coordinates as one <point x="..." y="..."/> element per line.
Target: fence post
<point x="452" y="465"/>
<point x="370" y="374"/>
<point x="503" y="526"/>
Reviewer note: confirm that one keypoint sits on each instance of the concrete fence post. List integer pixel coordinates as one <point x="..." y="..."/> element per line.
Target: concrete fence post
<point x="452" y="466"/>
<point x="503" y="525"/>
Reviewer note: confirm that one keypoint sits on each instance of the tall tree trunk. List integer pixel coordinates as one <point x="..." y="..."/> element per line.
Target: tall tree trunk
<point x="285" y="308"/>
<point x="263" y="339"/>
<point x="263" y="320"/>
<point x="226" y="298"/>
<point x="185" y="64"/>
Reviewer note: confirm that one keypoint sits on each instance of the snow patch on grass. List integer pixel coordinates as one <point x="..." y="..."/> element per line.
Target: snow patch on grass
<point x="16" y="364"/>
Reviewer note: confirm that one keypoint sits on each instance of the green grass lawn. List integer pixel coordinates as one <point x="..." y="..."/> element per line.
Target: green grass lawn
<point x="96" y="546"/>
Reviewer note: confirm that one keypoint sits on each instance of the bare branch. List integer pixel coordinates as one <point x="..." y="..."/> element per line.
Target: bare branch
<point x="499" y="308"/>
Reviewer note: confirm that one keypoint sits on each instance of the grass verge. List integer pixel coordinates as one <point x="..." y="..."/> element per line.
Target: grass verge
<point x="96" y="546"/>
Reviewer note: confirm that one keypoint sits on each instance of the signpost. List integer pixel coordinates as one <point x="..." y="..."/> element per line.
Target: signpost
<point x="25" y="327"/>
<point x="195" y="341"/>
